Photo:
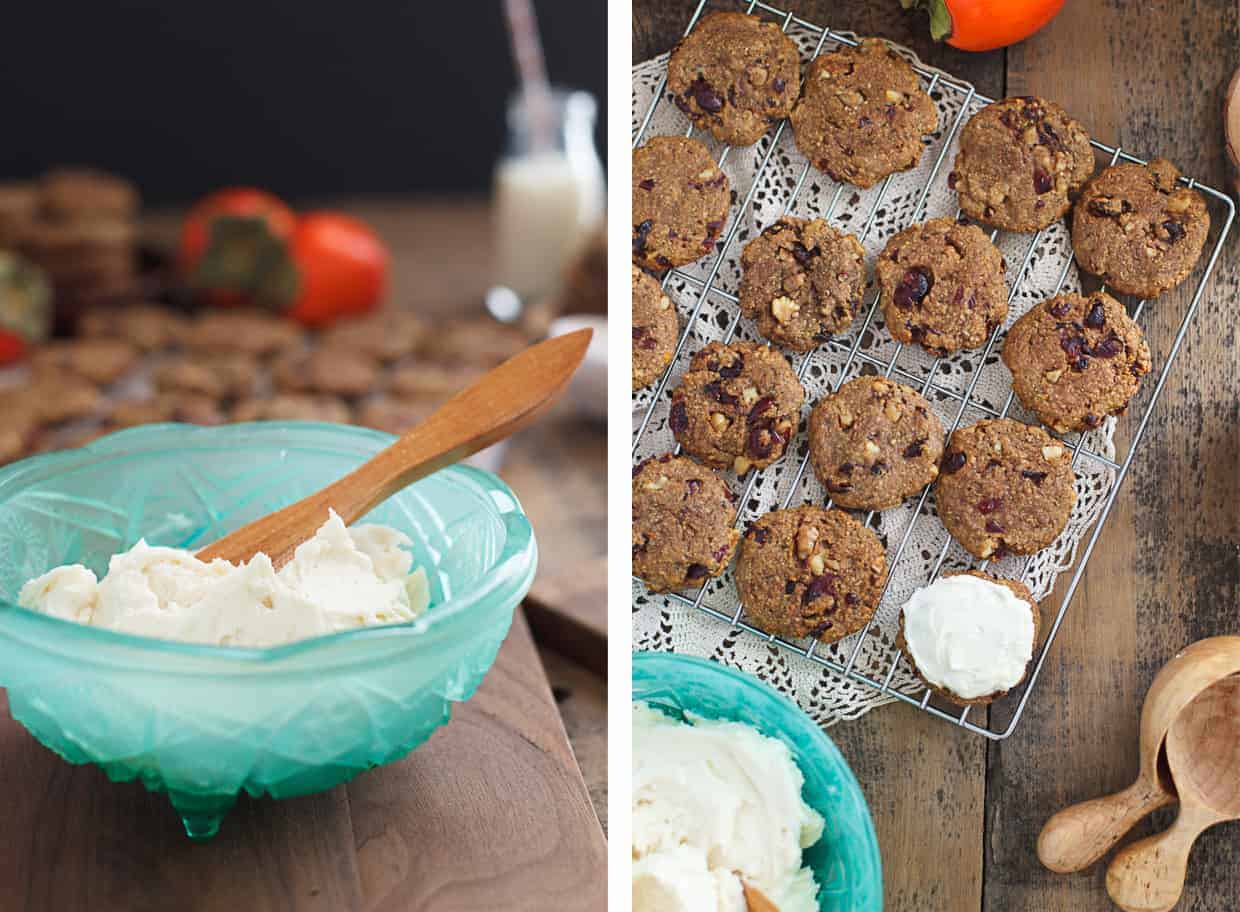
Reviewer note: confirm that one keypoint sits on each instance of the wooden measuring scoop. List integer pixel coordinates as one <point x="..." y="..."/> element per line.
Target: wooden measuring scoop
<point x="1203" y="752"/>
<point x="1079" y="835"/>
<point x="493" y="407"/>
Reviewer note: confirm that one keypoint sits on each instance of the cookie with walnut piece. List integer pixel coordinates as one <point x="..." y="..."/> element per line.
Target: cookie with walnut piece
<point x="1005" y="488"/>
<point x="802" y="282"/>
<point x="737" y="406"/>
<point x="680" y="202"/>
<point x="873" y="443"/>
<point x="654" y="329"/>
<point x="1138" y="229"/>
<point x="1076" y="359"/>
<point x="735" y="75"/>
<point x="810" y="572"/>
<point x="684" y="523"/>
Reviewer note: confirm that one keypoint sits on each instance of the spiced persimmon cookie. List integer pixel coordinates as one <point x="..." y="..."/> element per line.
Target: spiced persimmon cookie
<point x="734" y="75"/>
<point x="802" y="282"/>
<point x="654" y="329"/>
<point x="810" y="572"/>
<point x="737" y="406"/>
<point x="970" y="636"/>
<point x="1005" y="487"/>
<point x="1076" y="359"/>
<point x="942" y="286"/>
<point x="873" y="443"/>
<point x="1020" y="160"/>
<point x="680" y="202"/>
<point x="862" y="114"/>
<point x="684" y="523"/>
<point x="1138" y="229"/>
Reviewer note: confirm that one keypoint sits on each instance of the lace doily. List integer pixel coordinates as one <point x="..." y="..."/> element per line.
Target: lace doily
<point x="1038" y="264"/>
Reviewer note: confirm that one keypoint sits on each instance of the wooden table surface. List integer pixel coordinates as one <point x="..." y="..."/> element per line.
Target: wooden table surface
<point x="957" y="817"/>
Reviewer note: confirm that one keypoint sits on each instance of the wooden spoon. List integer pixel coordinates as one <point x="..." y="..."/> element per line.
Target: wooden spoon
<point x="493" y="407"/>
<point x="1203" y="751"/>
<point x="756" y="900"/>
<point x="1079" y="835"/>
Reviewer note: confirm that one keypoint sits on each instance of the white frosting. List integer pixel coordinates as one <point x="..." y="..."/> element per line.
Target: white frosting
<point x="968" y="635"/>
<point x="340" y="579"/>
<point x="715" y="802"/>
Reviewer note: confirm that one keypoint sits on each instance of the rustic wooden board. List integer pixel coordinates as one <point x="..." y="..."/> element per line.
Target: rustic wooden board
<point x="957" y="818"/>
<point x="491" y="812"/>
<point x="568" y="613"/>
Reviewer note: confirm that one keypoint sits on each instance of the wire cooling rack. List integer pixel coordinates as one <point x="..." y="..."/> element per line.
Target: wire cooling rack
<point x="860" y="351"/>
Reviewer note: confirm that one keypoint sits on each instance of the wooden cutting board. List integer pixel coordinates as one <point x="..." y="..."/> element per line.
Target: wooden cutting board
<point x="490" y="813"/>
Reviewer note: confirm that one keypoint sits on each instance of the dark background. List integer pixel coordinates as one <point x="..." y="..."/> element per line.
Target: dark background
<point x="307" y="99"/>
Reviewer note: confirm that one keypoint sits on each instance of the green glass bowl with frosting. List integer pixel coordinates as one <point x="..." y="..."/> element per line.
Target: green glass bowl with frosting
<point x="204" y="723"/>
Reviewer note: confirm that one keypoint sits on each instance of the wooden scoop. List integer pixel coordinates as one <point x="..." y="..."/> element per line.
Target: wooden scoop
<point x="756" y="900"/>
<point x="1203" y="751"/>
<point x="1079" y="835"/>
<point x="496" y="405"/>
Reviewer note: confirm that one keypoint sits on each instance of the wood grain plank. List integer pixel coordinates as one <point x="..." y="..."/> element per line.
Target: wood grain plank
<point x="1166" y="571"/>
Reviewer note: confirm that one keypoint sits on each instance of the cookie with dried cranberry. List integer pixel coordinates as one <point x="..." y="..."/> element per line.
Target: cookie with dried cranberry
<point x="1020" y="161"/>
<point x="802" y="282"/>
<point x="101" y="361"/>
<point x="654" y="329"/>
<point x="1138" y="229"/>
<point x="680" y="202"/>
<point x="737" y="406"/>
<point x="810" y="572"/>
<point x="735" y="75"/>
<point x="684" y="523"/>
<point x="1076" y="359"/>
<point x="1005" y="488"/>
<point x="862" y="114"/>
<point x="942" y="286"/>
<point x="873" y="443"/>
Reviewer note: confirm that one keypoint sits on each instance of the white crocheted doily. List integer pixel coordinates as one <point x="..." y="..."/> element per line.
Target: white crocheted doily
<point x="1039" y="264"/>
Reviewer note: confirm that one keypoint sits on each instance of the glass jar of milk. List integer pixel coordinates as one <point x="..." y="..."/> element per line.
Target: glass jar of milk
<point x="549" y="191"/>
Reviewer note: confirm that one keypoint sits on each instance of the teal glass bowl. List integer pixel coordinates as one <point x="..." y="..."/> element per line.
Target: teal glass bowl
<point x="205" y="723"/>
<point x="845" y="861"/>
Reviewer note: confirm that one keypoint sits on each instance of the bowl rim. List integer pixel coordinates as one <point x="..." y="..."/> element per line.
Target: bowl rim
<point x="819" y="739"/>
<point x="510" y="576"/>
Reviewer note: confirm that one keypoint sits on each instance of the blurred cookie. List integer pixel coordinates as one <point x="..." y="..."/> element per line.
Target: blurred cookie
<point x="292" y="407"/>
<point x="148" y="326"/>
<point x="218" y="376"/>
<point x="735" y="75"/>
<point x="64" y="398"/>
<point x="185" y="407"/>
<point x="386" y="336"/>
<point x="101" y="361"/>
<point x="394" y="416"/>
<point x="862" y="114"/>
<point x="19" y="206"/>
<point x="85" y="193"/>
<point x="481" y="341"/>
<point x="432" y="380"/>
<point x="250" y="332"/>
<point x="585" y="279"/>
<point x="336" y="371"/>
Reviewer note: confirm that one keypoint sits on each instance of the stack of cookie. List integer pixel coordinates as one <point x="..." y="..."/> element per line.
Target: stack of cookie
<point x="139" y="364"/>
<point x="80" y="226"/>
<point x="1001" y="486"/>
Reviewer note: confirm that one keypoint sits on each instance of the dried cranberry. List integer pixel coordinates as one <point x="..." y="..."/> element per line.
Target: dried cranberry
<point x="989" y="505"/>
<point x="637" y="469"/>
<point x="913" y="288"/>
<point x="1036" y="477"/>
<point x="1080" y="364"/>
<point x="678" y="418"/>
<point x="1073" y="346"/>
<point x="851" y="598"/>
<point x="728" y="371"/>
<point x="759" y="408"/>
<point x="1174" y="230"/>
<point x="1042" y="182"/>
<point x="761" y="534"/>
<point x="1048" y="137"/>
<point x="790" y="587"/>
<point x="820" y="628"/>
<point x="823" y="336"/>
<point x="916" y="448"/>
<point x="719" y="553"/>
<point x="663" y="261"/>
<point x="821" y="585"/>
<point x="693" y="485"/>
<point x="707" y="98"/>
<point x="879" y="468"/>
<point x="951" y="181"/>
<point x="639" y="548"/>
<point x="696" y="571"/>
<point x="1060" y="308"/>
<point x="715" y="390"/>
<point x="1097" y="317"/>
<point x="1092" y="421"/>
<point x="640" y="233"/>
<point x="917" y="332"/>
<point x="842" y="488"/>
<point x="953" y="462"/>
<point x="778" y="84"/>
<point x="763" y="439"/>
<point x="802" y="254"/>
<point x="714" y="227"/>
<point x="1109" y="347"/>
<point x="992" y="526"/>
<point x="647" y="184"/>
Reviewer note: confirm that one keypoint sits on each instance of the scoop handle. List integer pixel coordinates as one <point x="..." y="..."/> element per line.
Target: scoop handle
<point x="1148" y="876"/>
<point x="1076" y="837"/>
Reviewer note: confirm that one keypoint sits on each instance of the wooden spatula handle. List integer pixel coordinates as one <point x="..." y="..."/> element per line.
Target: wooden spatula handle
<point x="756" y="900"/>
<point x="1148" y="876"/>
<point x="1079" y="835"/>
